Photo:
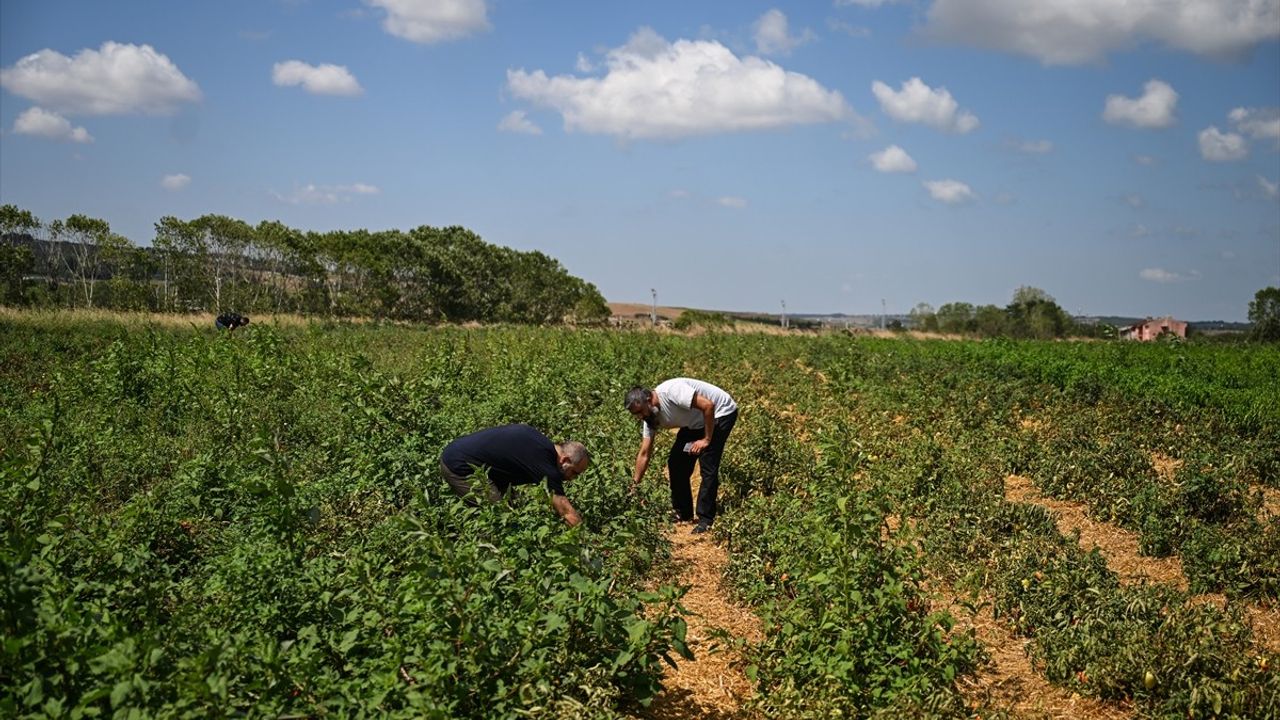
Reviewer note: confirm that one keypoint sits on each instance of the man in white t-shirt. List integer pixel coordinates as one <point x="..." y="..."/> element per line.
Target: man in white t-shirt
<point x="705" y="415"/>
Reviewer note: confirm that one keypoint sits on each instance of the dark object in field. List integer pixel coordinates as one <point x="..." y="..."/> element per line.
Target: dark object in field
<point x="230" y="321"/>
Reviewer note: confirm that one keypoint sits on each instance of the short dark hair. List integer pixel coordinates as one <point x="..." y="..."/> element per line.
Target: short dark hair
<point x="637" y="396"/>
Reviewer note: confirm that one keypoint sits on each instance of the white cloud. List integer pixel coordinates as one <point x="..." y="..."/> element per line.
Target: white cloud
<point x="1217" y="146"/>
<point x="516" y="122"/>
<point x="1270" y="189"/>
<point x="1006" y="198"/>
<point x="892" y="159"/>
<point x="114" y="80"/>
<point x="730" y="201"/>
<point x="1257" y="123"/>
<point x="865" y="3"/>
<point x="47" y="124"/>
<point x="1031" y="147"/>
<point x="175" y="182"/>
<point x="584" y="64"/>
<point x="1140" y="231"/>
<point x="1134" y="201"/>
<point x="1153" y="110"/>
<point x="951" y="192"/>
<point x="431" y="21"/>
<point x="916" y="102"/>
<point x="1071" y="32"/>
<point x="773" y="36"/>
<point x="1161" y="275"/>
<point x="316" y="79"/>
<point x="657" y="89"/>
<point x="679" y="194"/>
<point x="847" y="28"/>
<point x="312" y="194"/>
<point x="1144" y="160"/>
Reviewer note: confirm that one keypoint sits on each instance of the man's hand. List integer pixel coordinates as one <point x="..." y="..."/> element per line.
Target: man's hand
<point x="566" y="510"/>
<point x="697" y="446"/>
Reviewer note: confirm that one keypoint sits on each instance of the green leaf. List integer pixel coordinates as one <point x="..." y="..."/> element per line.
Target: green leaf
<point x="120" y="692"/>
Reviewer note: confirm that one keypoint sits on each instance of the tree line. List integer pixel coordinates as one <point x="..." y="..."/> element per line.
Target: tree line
<point x="216" y="263"/>
<point x="1031" y="314"/>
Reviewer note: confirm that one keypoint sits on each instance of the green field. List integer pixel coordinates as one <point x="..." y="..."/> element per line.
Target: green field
<point x="198" y="524"/>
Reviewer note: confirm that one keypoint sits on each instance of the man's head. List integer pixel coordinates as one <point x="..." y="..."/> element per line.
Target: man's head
<point x="639" y="402"/>
<point x="573" y="458"/>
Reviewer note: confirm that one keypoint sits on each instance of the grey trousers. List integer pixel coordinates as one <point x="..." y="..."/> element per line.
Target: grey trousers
<point x="471" y="489"/>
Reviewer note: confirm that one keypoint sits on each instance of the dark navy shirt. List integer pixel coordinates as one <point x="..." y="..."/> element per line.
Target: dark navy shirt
<point x="512" y="455"/>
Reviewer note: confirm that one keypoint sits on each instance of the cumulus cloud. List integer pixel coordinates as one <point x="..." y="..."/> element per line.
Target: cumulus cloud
<point x="516" y="122"/>
<point x="116" y="79"/>
<point x="1217" y="146"/>
<point x="1153" y="110"/>
<point x="655" y="89"/>
<point x="773" y="36"/>
<point x="1071" y="32"/>
<point x="1161" y="275"/>
<point x="312" y="194"/>
<point x="951" y="192"/>
<point x="848" y="28"/>
<point x="316" y="79"/>
<point x="1257" y="123"/>
<point x="43" y="123"/>
<point x="432" y="21"/>
<point x="892" y="159"/>
<point x="916" y="102"/>
<point x="1269" y="189"/>
<point x="1031" y="147"/>
<point x="175" y="182"/>
<point x="731" y="201"/>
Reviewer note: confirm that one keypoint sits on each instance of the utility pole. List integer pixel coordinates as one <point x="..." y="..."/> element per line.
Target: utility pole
<point x="784" y="314"/>
<point x="882" y="313"/>
<point x="653" y="314"/>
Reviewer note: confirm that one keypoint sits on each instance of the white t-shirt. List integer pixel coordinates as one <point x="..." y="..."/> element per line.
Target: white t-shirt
<point x="675" y="404"/>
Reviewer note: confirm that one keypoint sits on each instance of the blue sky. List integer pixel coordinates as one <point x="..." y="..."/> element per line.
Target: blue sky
<point x="1123" y="156"/>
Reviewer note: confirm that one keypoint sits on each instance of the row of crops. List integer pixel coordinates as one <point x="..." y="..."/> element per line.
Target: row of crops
<point x="196" y="524"/>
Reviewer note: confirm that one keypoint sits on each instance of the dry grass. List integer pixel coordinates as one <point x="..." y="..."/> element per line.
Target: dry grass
<point x="713" y="684"/>
<point x="137" y="319"/>
<point x="1009" y="682"/>
<point x="1118" y="546"/>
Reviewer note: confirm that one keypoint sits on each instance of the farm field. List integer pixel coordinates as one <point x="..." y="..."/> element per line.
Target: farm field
<point x="198" y="524"/>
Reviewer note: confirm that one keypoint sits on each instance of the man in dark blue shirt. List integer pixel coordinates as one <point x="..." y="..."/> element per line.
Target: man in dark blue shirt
<point x="512" y="455"/>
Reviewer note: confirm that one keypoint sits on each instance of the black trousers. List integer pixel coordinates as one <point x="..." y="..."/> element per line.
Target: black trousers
<point x="680" y="469"/>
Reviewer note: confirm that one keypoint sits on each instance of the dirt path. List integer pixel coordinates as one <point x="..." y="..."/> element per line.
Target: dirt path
<point x="1120" y="549"/>
<point x="1009" y="682"/>
<point x="712" y="685"/>
<point x="1118" y="546"/>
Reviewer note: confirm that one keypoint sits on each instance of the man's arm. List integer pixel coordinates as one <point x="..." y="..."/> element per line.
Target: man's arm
<point x="642" y="460"/>
<point x="565" y="508"/>
<point x="708" y="409"/>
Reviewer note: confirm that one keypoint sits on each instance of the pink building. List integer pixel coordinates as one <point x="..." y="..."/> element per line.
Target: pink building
<point x="1151" y="328"/>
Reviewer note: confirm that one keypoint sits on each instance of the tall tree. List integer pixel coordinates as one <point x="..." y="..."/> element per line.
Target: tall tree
<point x="923" y="317"/>
<point x="16" y="260"/>
<point x="90" y="244"/>
<point x="1264" y="313"/>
